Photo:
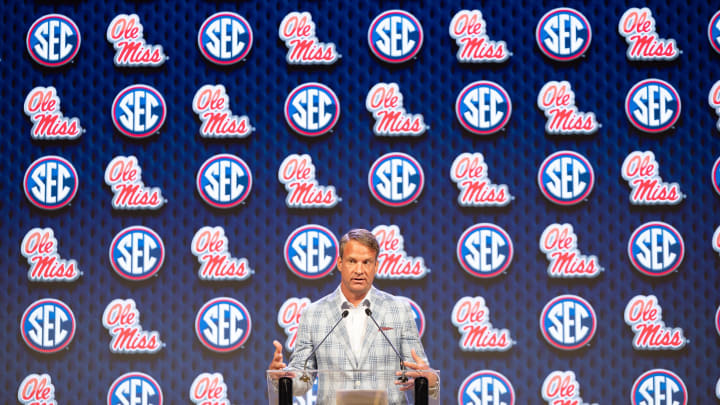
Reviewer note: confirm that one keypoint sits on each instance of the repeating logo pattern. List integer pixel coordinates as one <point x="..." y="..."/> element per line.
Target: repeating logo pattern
<point x="224" y="181"/>
<point x="472" y="318"/>
<point x="566" y="178"/>
<point x="557" y="101"/>
<point x="483" y="107"/>
<point x="312" y="109"/>
<point x="469" y="172"/>
<point x="561" y="387"/>
<point x="297" y="173"/>
<point x="716" y="176"/>
<point x="138" y="111"/>
<point x="225" y="38"/>
<point x="311" y="251"/>
<point x="209" y="389"/>
<point x="212" y="106"/>
<point x="50" y="182"/>
<point x="385" y="102"/>
<point x="37" y="389"/>
<point x="396" y="179"/>
<point x="418" y="315"/>
<point x="559" y="243"/>
<point x="642" y="172"/>
<point x="393" y="262"/>
<point x="135" y="388"/>
<point x="137" y="253"/>
<point x="42" y="106"/>
<point x="637" y="26"/>
<point x="395" y="36"/>
<point x="656" y="249"/>
<point x="659" y="386"/>
<point x="653" y="105"/>
<point x="48" y="325"/>
<point x="485" y="250"/>
<point x="563" y="34"/>
<point x="714" y="33"/>
<point x="210" y="246"/>
<point x="468" y="29"/>
<point x="486" y="387"/>
<point x="568" y="322"/>
<point x="714" y="100"/>
<point x="122" y="320"/>
<point x="124" y="176"/>
<point x="288" y="318"/>
<point x="297" y="30"/>
<point x="53" y="40"/>
<point x="39" y="247"/>
<point x="223" y="324"/>
<point x="125" y="33"/>
<point x="644" y="315"/>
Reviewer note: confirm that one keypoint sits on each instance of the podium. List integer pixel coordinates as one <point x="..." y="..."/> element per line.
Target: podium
<point x="351" y="387"/>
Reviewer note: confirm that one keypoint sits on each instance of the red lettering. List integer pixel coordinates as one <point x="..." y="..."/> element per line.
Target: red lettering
<point x="387" y="240"/>
<point x="557" y="238"/>
<point x="384" y="97"/>
<point x="120" y="314"/>
<point x="470" y="312"/>
<point x="123" y="170"/>
<point x="39" y="243"/>
<point x="643" y="311"/>
<point x="467" y="24"/>
<point x="296" y="169"/>
<point x="636" y="22"/>
<point x="124" y="29"/>
<point x="211" y="242"/>
<point x="555" y="95"/>
<point x="41" y="101"/>
<point x="560" y="387"/>
<point x="36" y="389"/>
<point x="469" y="167"/>
<point x="210" y="100"/>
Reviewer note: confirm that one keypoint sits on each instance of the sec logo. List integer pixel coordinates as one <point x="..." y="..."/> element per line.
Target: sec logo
<point x="483" y="107"/>
<point x="395" y="36"/>
<point x="50" y="183"/>
<point x="396" y="179"/>
<point x="225" y="38"/>
<point x="223" y="324"/>
<point x="53" y="40"/>
<point x="311" y="251"/>
<point x="656" y="249"/>
<point x="224" y="181"/>
<point x="312" y="109"/>
<point x="485" y="250"/>
<point x="417" y="314"/>
<point x="48" y="325"/>
<point x="486" y="387"/>
<point x="135" y="388"/>
<point x="563" y="34"/>
<point x="659" y="386"/>
<point x="138" y="111"/>
<point x="568" y="322"/>
<point x="714" y="32"/>
<point x="136" y="253"/>
<point x="566" y="178"/>
<point x="716" y="176"/>
<point x="652" y="105"/>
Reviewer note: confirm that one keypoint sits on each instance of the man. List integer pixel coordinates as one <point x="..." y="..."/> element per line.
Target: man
<point x="357" y="343"/>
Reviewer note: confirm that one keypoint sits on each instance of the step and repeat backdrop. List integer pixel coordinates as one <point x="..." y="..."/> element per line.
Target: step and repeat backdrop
<point x="543" y="180"/>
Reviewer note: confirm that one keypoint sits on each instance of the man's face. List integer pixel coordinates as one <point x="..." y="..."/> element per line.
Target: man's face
<point x="357" y="266"/>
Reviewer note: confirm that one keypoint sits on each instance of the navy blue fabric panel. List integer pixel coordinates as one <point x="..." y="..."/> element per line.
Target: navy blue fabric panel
<point x="257" y="229"/>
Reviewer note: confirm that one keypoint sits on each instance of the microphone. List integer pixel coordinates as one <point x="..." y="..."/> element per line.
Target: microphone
<point x="305" y="376"/>
<point x="403" y="377"/>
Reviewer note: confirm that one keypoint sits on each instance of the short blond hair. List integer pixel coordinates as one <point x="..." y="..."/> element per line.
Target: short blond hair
<point x="362" y="236"/>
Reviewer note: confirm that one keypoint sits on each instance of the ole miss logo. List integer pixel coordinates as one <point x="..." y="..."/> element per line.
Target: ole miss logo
<point x="485" y="250"/>
<point x="50" y="183"/>
<point x="652" y="105"/>
<point x="138" y="111"/>
<point x="714" y="32"/>
<point x="224" y="181"/>
<point x="223" y="324"/>
<point x="656" y="249"/>
<point x="136" y="253"/>
<point x="135" y="388"/>
<point x="486" y="387"/>
<point x="48" y="325"/>
<point x="568" y="322"/>
<point x="53" y="40"/>
<point x="395" y="36"/>
<point x="563" y="34"/>
<point x="209" y="389"/>
<point x="396" y="179"/>
<point x="483" y="107"/>
<point x="225" y="38"/>
<point x="566" y="178"/>
<point x="36" y="389"/>
<point x="659" y="386"/>
<point x="311" y="251"/>
<point x="312" y="109"/>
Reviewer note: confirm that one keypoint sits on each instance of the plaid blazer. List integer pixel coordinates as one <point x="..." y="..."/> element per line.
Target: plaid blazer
<point x="395" y="318"/>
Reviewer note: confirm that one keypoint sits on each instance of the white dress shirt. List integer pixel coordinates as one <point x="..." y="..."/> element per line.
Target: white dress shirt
<point x="356" y="321"/>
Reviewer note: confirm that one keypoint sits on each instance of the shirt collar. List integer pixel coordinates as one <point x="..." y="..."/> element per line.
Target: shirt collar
<point x="366" y="302"/>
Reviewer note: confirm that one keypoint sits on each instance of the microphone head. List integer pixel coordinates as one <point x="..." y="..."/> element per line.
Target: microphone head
<point x="345" y="313"/>
<point x="368" y="312"/>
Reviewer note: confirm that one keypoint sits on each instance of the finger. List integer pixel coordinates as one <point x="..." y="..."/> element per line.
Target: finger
<point x="278" y="346"/>
<point x="415" y="357"/>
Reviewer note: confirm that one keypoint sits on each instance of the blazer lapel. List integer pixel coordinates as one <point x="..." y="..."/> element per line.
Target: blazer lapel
<point x="342" y="328"/>
<point x="371" y="330"/>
